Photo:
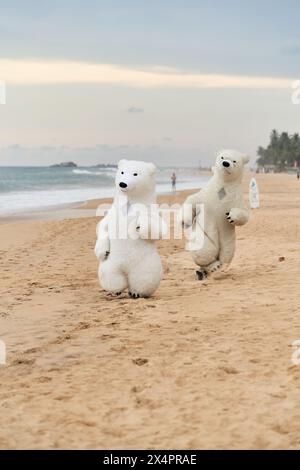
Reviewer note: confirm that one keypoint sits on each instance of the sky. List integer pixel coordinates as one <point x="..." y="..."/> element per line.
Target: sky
<point x="167" y="81"/>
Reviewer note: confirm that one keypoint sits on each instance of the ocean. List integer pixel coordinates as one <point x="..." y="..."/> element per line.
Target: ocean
<point x="27" y="189"/>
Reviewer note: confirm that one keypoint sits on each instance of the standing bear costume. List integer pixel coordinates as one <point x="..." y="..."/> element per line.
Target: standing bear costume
<point x="126" y="235"/>
<point x="214" y="212"/>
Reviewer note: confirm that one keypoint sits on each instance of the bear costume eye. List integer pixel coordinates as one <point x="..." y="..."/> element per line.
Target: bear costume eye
<point x="122" y="172"/>
<point x="222" y="158"/>
<point x="234" y="161"/>
<point x="134" y="174"/>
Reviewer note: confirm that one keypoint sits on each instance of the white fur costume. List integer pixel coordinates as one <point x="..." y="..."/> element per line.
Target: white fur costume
<point x="127" y="234"/>
<point x="223" y="207"/>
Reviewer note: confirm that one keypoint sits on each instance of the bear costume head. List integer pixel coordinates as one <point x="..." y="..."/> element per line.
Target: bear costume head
<point x="230" y="164"/>
<point x="136" y="180"/>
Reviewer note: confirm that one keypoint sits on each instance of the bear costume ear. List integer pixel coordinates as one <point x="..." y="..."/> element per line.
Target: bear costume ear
<point x="122" y="163"/>
<point x="152" y="169"/>
<point x="245" y="159"/>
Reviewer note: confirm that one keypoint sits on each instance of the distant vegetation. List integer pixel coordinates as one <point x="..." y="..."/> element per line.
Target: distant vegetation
<point x="282" y="153"/>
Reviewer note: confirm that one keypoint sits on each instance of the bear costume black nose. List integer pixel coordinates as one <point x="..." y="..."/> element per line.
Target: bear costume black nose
<point x="226" y="164"/>
<point x="123" y="185"/>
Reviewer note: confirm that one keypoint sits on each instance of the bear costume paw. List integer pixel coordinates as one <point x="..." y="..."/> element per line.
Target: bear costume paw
<point x="134" y="295"/>
<point x="201" y="274"/>
<point x="233" y="216"/>
<point x="237" y="216"/>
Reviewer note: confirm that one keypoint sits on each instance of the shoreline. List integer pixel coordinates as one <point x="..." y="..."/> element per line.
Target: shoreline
<point x="72" y="191"/>
<point x="74" y="210"/>
<point x="79" y="209"/>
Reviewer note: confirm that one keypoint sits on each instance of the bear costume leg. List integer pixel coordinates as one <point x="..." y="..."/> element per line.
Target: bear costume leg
<point x="208" y="256"/>
<point x="111" y="277"/>
<point x="145" y="278"/>
<point x="222" y="256"/>
<point x="227" y="246"/>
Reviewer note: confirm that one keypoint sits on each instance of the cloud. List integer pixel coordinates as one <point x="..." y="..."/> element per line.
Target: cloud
<point x="30" y="72"/>
<point x="135" y="110"/>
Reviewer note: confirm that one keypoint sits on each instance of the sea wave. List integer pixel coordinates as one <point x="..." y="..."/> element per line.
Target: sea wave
<point x="77" y="171"/>
<point x="23" y="190"/>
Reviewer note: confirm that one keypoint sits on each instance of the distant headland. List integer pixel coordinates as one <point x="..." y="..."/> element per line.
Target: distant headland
<point x="105" y="165"/>
<point x="74" y="165"/>
<point x="64" y="165"/>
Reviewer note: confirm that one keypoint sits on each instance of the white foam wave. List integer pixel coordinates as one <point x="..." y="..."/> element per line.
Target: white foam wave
<point x="77" y="171"/>
<point x="26" y="201"/>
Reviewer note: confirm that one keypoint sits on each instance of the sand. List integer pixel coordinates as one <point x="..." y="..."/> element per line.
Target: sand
<point x="199" y="365"/>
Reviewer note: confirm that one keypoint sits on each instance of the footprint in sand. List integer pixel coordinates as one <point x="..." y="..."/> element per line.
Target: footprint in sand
<point x="140" y="361"/>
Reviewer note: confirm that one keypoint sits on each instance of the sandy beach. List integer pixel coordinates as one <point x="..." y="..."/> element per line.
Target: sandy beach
<point x="200" y="365"/>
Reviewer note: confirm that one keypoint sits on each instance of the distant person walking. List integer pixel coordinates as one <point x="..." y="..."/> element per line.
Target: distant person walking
<point x="173" y="181"/>
<point x="298" y="174"/>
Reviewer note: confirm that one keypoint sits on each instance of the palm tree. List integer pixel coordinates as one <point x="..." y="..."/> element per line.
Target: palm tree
<point x="283" y="151"/>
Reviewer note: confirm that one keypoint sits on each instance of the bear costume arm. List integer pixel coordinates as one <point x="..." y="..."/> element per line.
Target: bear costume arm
<point x="102" y="247"/>
<point x="191" y="208"/>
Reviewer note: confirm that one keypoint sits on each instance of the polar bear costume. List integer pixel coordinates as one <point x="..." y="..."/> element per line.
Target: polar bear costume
<point x="126" y="235"/>
<point x="215" y="211"/>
